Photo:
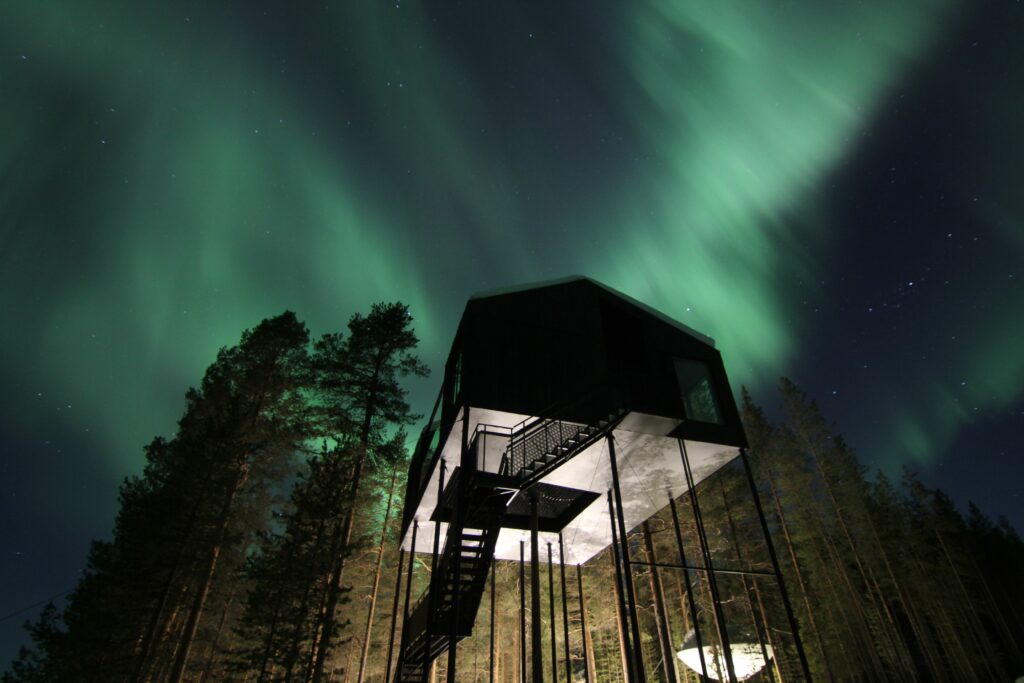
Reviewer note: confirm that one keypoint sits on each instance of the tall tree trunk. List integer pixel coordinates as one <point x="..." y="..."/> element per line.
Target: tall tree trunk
<point x="588" y="640"/>
<point x="316" y="632"/>
<point x="619" y="628"/>
<point x="997" y="612"/>
<point x="148" y="640"/>
<point x="660" y="613"/>
<point x="334" y="584"/>
<point x="976" y="629"/>
<point x="746" y="586"/>
<point x="295" y="632"/>
<point x="855" y="601"/>
<point x="169" y="633"/>
<point x="799" y="575"/>
<point x="203" y="590"/>
<point x="776" y="651"/>
<point x="376" y="579"/>
<point x="945" y="628"/>
<point x="935" y="669"/>
<point x="495" y="673"/>
<point x="274" y="623"/>
<point x="685" y="611"/>
<point x="843" y="618"/>
<point x="216" y="637"/>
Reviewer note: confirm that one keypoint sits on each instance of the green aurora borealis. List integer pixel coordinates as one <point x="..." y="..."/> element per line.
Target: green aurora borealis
<point x="172" y="175"/>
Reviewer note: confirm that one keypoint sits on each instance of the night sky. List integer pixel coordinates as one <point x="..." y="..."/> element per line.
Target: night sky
<point x="833" y="191"/>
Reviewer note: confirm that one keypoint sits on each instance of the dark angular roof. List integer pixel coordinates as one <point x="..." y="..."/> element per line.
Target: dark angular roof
<point x="572" y="279"/>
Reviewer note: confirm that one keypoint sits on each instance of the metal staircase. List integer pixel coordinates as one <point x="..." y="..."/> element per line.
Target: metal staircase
<point x="448" y="608"/>
<point x="461" y="575"/>
<point x="542" y="445"/>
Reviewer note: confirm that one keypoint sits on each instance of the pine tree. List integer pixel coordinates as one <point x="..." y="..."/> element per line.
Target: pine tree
<point x="397" y="459"/>
<point x="287" y="572"/>
<point x="251" y="416"/>
<point x="200" y="581"/>
<point x="138" y="607"/>
<point x="360" y="377"/>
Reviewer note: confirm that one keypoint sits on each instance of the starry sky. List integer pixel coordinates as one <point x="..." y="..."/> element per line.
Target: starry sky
<point x="830" y="190"/>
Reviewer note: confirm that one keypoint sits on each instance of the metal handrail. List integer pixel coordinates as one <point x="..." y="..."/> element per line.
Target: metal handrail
<point x="542" y="434"/>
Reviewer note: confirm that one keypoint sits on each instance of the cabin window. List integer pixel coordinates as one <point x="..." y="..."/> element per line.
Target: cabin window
<point x="697" y="391"/>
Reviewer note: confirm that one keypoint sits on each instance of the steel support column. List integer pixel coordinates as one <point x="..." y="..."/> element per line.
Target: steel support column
<point x="626" y="569"/>
<point x="620" y="594"/>
<point x="536" y="646"/>
<point x="583" y="624"/>
<point x="468" y="465"/>
<point x="522" y="612"/>
<point x="551" y="609"/>
<point x="565" y="609"/>
<point x="664" y="627"/>
<point x="690" y="598"/>
<point x="394" y="611"/>
<point x="716" y="602"/>
<point x="804" y="666"/>
<point x="455" y="536"/>
<point x="746" y="587"/>
<point x="494" y="569"/>
<point x="435" y="584"/>
<point x="405" y="610"/>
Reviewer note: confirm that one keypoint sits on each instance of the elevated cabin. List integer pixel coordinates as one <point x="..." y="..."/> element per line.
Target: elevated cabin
<point x="537" y="378"/>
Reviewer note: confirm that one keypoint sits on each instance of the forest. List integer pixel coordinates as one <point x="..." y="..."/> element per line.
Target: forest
<point x="260" y="544"/>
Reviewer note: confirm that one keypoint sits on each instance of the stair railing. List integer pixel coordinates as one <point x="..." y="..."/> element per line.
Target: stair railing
<point x="534" y="437"/>
<point x="452" y="544"/>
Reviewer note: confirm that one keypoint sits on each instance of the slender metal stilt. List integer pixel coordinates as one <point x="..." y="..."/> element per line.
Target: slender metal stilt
<point x="619" y="592"/>
<point x="405" y="609"/>
<point x="746" y="586"/>
<point x="536" y="646"/>
<point x="804" y="666"/>
<point x="455" y="536"/>
<point x="468" y="463"/>
<point x="627" y="571"/>
<point x="522" y="611"/>
<point x="664" y="627"/>
<point x="494" y="569"/>
<point x="716" y="602"/>
<point x="565" y="609"/>
<point x="435" y="583"/>
<point x="394" y="611"/>
<point x="583" y="624"/>
<point x="551" y="609"/>
<point x="690" y="598"/>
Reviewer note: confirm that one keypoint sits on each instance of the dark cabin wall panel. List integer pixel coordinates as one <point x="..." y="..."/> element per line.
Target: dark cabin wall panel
<point x="665" y="343"/>
<point x="531" y="350"/>
<point x="538" y="349"/>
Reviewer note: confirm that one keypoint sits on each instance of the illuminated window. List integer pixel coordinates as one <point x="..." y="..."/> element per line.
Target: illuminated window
<point x="697" y="392"/>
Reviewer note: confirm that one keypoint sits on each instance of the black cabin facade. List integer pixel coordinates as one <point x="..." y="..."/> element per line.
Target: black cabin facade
<point x="576" y="351"/>
<point x="568" y="415"/>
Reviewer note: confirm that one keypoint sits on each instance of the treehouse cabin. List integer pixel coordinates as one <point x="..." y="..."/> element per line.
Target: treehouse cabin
<point x="541" y="373"/>
<point x="554" y="395"/>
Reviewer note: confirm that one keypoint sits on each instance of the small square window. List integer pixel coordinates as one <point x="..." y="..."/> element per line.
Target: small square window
<point x="695" y="388"/>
